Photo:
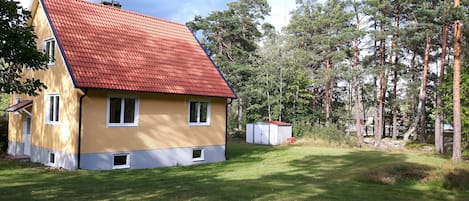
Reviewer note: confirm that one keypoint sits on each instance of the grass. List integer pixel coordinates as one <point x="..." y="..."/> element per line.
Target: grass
<point x="254" y="172"/>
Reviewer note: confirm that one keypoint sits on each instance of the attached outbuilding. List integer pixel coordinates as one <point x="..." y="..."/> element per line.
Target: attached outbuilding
<point x="272" y="132"/>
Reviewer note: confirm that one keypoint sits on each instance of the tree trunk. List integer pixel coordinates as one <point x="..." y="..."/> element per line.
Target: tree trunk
<point x="375" y="87"/>
<point x="327" y="94"/>
<point x="240" y="113"/>
<point x="395" y="128"/>
<point x="423" y="97"/>
<point x="356" y="90"/>
<point x="414" y="124"/>
<point x="281" y="95"/>
<point x="381" y="94"/>
<point x="375" y="106"/>
<point x="439" y="138"/>
<point x="456" y="89"/>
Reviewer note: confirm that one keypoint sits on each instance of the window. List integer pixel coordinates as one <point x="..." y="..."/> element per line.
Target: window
<point x="52" y="113"/>
<point x="51" y="157"/>
<point x="49" y="50"/>
<point x="120" y="161"/>
<point x="122" y="111"/>
<point x="197" y="154"/>
<point x="199" y="113"/>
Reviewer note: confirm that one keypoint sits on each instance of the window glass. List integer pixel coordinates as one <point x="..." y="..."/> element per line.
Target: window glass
<point x="52" y="158"/>
<point x="193" y="112"/>
<point x="120" y="160"/>
<point x="115" y="110"/>
<point x="196" y="153"/>
<point x="51" y="108"/>
<point x="56" y="115"/>
<point x="52" y="51"/>
<point x="199" y="112"/>
<point x="203" y="112"/>
<point x="123" y="111"/>
<point x="28" y="125"/>
<point x="49" y="50"/>
<point x="129" y="110"/>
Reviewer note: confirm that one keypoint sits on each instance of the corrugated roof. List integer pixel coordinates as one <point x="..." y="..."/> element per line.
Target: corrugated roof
<point x="110" y="48"/>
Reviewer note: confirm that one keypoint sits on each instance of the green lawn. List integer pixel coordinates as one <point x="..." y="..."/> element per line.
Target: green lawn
<point x="253" y="172"/>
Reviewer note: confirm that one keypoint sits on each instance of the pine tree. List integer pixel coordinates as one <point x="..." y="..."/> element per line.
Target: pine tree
<point x="456" y="87"/>
<point x="230" y="37"/>
<point x="321" y="33"/>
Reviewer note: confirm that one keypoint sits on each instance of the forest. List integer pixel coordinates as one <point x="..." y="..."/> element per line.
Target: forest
<point x="396" y="68"/>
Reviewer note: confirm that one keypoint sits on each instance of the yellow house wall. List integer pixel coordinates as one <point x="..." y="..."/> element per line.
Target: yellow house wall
<point x="163" y="123"/>
<point x="15" y="123"/>
<point x="62" y="137"/>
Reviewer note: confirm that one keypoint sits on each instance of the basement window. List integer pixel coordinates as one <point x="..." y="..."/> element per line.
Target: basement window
<point x="197" y="154"/>
<point x="51" y="157"/>
<point x="120" y="161"/>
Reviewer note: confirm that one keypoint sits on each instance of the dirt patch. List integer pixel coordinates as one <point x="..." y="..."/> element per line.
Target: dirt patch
<point x="398" y="173"/>
<point x="459" y="179"/>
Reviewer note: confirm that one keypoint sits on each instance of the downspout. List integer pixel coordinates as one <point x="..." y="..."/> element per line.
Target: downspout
<point x="229" y="101"/>
<point x="79" y="127"/>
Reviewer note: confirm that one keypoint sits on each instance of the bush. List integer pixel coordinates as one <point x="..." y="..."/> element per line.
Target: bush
<point x="331" y="134"/>
<point x="3" y="133"/>
<point x="239" y="134"/>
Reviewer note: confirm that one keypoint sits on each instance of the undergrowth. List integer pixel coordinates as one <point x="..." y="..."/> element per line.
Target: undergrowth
<point x="324" y="135"/>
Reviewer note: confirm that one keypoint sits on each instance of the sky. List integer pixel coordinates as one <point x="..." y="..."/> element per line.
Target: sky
<point x="184" y="10"/>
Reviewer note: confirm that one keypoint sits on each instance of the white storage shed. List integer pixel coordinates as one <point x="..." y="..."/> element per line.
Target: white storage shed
<point x="272" y="132"/>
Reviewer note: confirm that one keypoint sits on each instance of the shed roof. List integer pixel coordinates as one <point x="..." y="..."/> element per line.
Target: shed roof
<point x="279" y="123"/>
<point x="110" y="48"/>
<point x="18" y="106"/>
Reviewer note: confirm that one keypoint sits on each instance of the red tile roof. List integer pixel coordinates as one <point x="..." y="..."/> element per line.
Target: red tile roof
<point x="110" y="48"/>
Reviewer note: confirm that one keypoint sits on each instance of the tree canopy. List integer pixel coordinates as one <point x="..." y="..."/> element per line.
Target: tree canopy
<point x="18" y="51"/>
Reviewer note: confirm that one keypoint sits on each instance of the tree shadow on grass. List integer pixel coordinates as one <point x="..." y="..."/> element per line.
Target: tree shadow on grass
<point x="312" y="177"/>
<point x="458" y="180"/>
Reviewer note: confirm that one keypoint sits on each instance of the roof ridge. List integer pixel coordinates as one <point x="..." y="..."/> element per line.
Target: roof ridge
<point x="130" y="12"/>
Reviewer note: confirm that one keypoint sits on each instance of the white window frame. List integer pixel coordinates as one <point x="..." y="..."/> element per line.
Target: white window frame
<point x="198" y="123"/>
<point x="202" y="154"/>
<point x="55" y="158"/>
<point x="51" y="59"/>
<point x="127" y="161"/>
<point x="122" y="124"/>
<point x="56" y="109"/>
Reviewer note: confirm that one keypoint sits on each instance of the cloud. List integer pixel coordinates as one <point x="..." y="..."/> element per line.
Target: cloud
<point x="280" y="12"/>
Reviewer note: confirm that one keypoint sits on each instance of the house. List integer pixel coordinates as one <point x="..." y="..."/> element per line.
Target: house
<point x="124" y="90"/>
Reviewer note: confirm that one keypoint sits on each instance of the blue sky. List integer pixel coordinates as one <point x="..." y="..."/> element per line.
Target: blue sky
<point x="175" y="10"/>
<point x="185" y="10"/>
